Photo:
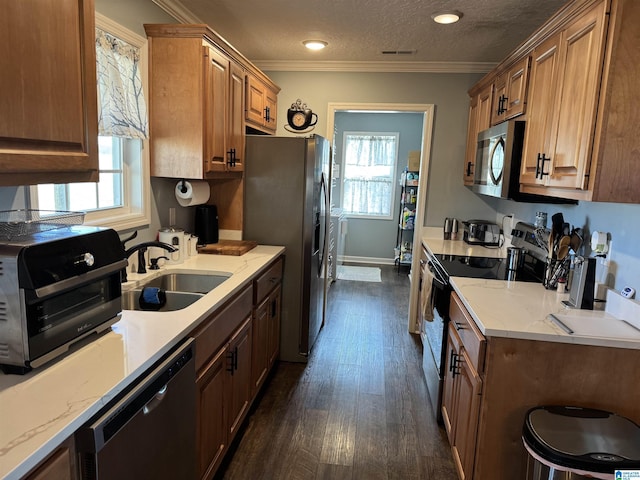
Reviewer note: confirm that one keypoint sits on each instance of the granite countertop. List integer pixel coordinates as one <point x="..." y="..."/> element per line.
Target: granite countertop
<point x="521" y="310"/>
<point x="43" y="408"/>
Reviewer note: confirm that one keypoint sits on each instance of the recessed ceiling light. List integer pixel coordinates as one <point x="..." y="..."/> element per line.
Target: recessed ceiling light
<point x="315" y="44"/>
<point x="447" y="17"/>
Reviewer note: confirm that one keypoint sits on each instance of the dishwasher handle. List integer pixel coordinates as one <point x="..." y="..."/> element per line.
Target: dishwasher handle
<point x="155" y="401"/>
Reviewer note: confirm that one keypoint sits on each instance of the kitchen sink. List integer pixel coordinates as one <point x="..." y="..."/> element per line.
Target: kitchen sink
<point x="187" y="282"/>
<point x="175" y="300"/>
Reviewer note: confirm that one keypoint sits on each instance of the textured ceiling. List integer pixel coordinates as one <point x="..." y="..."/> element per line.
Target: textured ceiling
<point x="359" y="30"/>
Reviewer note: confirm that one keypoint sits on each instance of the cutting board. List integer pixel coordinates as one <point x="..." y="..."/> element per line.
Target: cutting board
<point x="228" y="247"/>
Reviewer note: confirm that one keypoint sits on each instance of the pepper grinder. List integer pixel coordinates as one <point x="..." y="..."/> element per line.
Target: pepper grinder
<point x="454" y="229"/>
<point x="448" y="227"/>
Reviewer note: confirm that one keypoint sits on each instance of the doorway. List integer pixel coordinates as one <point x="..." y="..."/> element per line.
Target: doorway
<point x="427" y="111"/>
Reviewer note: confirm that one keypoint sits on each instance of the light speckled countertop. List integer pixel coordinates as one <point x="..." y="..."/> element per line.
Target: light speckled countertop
<point x="521" y="310"/>
<point x="41" y="409"/>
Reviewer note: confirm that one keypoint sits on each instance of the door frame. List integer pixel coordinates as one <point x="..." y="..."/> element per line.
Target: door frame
<point x="425" y="157"/>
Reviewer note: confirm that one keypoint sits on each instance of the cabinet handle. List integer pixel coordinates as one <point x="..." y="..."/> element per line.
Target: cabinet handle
<point x="455" y="370"/>
<point x="267" y="114"/>
<point x="235" y="358"/>
<point x="452" y="360"/>
<point x="231" y="361"/>
<point x="538" y="165"/>
<point x="459" y="326"/>
<point x="469" y="166"/>
<point x="542" y="160"/>
<point x="231" y="157"/>
<point x="274" y="308"/>
<point x="501" y="104"/>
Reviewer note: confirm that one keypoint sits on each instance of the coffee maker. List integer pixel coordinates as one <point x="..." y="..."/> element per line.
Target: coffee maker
<point x="206" y="224"/>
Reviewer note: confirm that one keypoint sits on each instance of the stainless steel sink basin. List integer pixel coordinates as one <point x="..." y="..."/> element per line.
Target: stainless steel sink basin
<point x="175" y="301"/>
<point x="187" y="282"/>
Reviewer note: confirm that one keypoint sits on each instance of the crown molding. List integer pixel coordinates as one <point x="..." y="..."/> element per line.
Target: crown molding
<point x="178" y="11"/>
<point x="391" y="67"/>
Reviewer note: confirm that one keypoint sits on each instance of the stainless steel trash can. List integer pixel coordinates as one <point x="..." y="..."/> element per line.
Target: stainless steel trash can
<point x="570" y="443"/>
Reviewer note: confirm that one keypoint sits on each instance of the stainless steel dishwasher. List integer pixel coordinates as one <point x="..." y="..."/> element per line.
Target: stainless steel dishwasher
<point x="150" y="432"/>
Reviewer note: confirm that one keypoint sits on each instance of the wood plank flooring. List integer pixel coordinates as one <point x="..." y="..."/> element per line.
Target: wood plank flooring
<point x="358" y="410"/>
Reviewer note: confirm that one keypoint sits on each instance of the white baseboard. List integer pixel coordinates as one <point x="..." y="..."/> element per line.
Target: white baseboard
<point x="368" y="260"/>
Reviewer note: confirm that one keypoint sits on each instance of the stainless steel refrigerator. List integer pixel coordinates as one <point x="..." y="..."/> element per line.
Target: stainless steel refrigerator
<point x="286" y="202"/>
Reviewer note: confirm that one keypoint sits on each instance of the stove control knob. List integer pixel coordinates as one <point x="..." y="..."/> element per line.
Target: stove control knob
<point x="85" y="258"/>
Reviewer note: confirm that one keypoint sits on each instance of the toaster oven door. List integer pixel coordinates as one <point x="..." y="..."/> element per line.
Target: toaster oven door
<point x="56" y="321"/>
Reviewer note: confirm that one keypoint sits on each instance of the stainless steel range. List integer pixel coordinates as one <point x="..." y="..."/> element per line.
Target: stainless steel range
<point x="530" y="268"/>
<point x="56" y="287"/>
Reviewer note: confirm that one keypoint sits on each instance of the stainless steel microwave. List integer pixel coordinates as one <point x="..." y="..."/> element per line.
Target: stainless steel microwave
<point x="498" y="157"/>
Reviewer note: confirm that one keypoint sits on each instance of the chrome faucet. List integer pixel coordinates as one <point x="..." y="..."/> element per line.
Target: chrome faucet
<point x="141" y="248"/>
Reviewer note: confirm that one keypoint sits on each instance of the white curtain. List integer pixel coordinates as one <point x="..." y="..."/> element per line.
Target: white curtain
<point x="122" y="111"/>
<point x="369" y="169"/>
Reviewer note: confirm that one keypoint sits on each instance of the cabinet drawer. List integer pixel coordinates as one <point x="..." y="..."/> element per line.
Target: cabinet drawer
<point x="472" y="339"/>
<point x="269" y="279"/>
<point x="212" y="335"/>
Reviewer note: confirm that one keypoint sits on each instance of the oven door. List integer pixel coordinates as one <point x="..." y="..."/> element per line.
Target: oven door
<point x="434" y="332"/>
<point x="57" y="320"/>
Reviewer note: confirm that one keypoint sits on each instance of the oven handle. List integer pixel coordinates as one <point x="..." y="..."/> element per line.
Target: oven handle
<point x="80" y="280"/>
<point x="437" y="278"/>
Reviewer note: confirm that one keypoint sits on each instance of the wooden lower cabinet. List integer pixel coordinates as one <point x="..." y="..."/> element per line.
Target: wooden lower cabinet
<point x="239" y="376"/>
<point x="498" y="379"/>
<point x="60" y="465"/>
<point x="212" y="434"/>
<point x="461" y="393"/>
<point x="235" y="351"/>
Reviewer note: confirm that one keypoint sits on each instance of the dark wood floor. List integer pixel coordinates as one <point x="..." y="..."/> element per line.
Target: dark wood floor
<point x="359" y="409"/>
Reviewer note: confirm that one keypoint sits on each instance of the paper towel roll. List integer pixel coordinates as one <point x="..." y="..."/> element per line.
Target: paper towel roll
<point x="196" y="193"/>
<point x="599" y="242"/>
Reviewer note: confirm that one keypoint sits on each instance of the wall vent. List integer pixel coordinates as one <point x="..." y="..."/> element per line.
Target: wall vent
<point x="4" y="350"/>
<point x="398" y="52"/>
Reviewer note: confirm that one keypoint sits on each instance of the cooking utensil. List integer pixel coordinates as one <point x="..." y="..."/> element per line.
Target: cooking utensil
<point x="576" y="240"/>
<point x="563" y="251"/>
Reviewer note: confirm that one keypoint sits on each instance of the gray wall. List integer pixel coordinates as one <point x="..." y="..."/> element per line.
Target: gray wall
<point x="375" y="238"/>
<point x="446" y="196"/>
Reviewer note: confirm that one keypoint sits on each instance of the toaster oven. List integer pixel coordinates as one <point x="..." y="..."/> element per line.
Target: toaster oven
<point x="56" y="287"/>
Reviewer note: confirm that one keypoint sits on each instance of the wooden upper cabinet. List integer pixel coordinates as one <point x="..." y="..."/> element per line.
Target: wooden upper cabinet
<point x="544" y="70"/>
<point x="48" y="93"/>
<point x="564" y="93"/>
<point x="510" y="92"/>
<point x="479" y="120"/>
<point x="197" y="103"/>
<point x="261" y="106"/>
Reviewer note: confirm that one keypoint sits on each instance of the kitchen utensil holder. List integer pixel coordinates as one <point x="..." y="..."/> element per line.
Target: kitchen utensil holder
<point x="555" y="270"/>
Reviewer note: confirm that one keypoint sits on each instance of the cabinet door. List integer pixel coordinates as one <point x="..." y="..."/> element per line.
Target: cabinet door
<point x="485" y="102"/>
<point x="217" y="84"/>
<point x="48" y="93"/>
<point x="449" y="388"/>
<point x="60" y="465"/>
<point x="212" y="427"/>
<point x="235" y="141"/>
<point x="516" y="88"/>
<point x="540" y="110"/>
<point x="499" y="110"/>
<point x="271" y="105"/>
<point x="467" y="411"/>
<point x="259" y="340"/>
<point x="239" y="376"/>
<point x="273" y="334"/>
<point x="472" y="142"/>
<point x="579" y="80"/>
<point x="255" y="102"/>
